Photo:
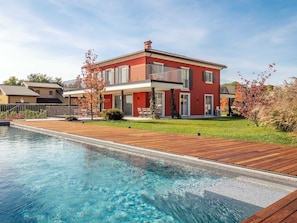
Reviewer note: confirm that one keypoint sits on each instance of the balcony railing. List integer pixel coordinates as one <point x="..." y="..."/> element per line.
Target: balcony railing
<point x="134" y="74"/>
<point x="149" y="72"/>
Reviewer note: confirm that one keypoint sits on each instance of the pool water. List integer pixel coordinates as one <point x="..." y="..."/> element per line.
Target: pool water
<point x="48" y="179"/>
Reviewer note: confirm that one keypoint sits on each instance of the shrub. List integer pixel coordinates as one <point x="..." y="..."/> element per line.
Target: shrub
<point x="281" y="111"/>
<point x="112" y="114"/>
<point x="23" y="114"/>
<point x="71" y="118"/>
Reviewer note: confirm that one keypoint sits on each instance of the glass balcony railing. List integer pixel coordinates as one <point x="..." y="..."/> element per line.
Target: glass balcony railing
<point x="154" y="72"/>
<point x="134" y="74"/>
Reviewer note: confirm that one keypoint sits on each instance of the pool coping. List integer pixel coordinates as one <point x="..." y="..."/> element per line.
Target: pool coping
<point x="154" y="154"/>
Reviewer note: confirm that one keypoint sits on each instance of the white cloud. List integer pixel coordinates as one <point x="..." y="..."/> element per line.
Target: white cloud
<point x="52" y="36"/>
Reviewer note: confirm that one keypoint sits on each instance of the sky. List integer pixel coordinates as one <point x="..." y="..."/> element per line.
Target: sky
<point x="52" y="36"/>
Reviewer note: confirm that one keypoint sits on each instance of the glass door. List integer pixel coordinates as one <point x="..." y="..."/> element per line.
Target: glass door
<point x="127" y="103"/>
<point x="160" y="102"/>
<point x="184" y="104"/>
<point x="208" y="105"/>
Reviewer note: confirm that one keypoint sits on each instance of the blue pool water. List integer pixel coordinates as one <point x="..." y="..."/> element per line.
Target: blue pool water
<point x="46" y="179"/>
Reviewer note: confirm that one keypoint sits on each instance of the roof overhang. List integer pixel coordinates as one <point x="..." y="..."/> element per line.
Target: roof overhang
<point x="227" y="95"/>
<point x="139" y="86"/>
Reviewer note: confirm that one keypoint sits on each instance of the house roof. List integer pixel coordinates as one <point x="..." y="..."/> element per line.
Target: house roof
<point x="11" y="90"/>
<point x="41" y="85"/>
<point x="227" y="89"/>
<point x="152" y="52"/>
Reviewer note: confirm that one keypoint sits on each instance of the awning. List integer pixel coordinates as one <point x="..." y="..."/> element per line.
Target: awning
<point x="137" y="86"/>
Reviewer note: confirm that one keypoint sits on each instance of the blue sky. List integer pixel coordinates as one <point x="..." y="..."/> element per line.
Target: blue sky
<point x="51" y="36"/>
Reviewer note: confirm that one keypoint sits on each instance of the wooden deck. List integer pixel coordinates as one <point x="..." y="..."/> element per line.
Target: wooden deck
<point x="263" y="156"/>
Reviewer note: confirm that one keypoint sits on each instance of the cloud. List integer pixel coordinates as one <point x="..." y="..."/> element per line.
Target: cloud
<point x="52" y="36"/>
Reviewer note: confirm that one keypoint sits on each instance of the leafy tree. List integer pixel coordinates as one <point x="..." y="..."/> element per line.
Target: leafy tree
<point x="93" y="85"/>
<point x="224" y="102"/>
<point x="250" y="95"/>
<point x="59" y="81"/>
<point x="41" y="78"/>
<point x="12" y="81"/>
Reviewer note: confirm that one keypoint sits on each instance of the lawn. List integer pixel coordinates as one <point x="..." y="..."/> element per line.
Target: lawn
<point x="230" y="128"/>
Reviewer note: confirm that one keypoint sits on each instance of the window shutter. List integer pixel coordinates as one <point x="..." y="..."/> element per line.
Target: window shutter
<point x="203" y="76"/>
<point x="190" y="79"/>
<point x="213" y="77"/>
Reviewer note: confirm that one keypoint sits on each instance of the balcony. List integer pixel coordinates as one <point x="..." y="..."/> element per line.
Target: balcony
<point x="138" y="73"/>
<point x="134" y="75"/>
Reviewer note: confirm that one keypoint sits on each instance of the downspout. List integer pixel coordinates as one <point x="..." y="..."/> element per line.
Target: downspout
<point x="122" y="101"/>
<point x="69" y="104"/>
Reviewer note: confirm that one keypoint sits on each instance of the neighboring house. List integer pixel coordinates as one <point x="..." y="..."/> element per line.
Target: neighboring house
<point x="188" y="85"/>
<point x="10" y="94"/>
<point x="48" y="92"/>
<point x="228" y="91"/>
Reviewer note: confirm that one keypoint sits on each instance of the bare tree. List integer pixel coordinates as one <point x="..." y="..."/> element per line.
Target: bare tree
<point x="93" y="85"/>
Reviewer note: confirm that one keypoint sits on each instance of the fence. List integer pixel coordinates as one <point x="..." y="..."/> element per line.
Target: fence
<point x="52" y="110"/>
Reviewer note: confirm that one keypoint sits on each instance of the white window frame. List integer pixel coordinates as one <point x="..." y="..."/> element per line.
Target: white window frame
<point x="208" y="77"/>
<point x="187" y="79"/>
<point x="162" y="111"/>
<point x="212" y="104"/>
<point x="123" y="78"/>
<point x="109" y="76"/>
<point x="159" y="74"/>
<point x="188" y="105"/>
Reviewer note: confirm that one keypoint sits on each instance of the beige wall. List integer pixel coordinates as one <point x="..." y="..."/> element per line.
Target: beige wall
<point x="44" y="92"/>
<point x="17" y="99"/>
<point x="3" y="99"/>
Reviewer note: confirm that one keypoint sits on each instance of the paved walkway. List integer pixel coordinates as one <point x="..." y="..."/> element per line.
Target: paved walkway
<point x="262" y="156"/>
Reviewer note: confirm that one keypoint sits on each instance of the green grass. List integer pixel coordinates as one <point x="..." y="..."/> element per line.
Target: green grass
<point x="230" y="128"/>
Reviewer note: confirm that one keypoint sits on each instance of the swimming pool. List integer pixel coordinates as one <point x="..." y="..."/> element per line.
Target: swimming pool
<point x="49" y="179"/>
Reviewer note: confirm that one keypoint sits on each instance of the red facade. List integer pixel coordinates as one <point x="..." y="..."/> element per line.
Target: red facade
<point x="132" y="79"/>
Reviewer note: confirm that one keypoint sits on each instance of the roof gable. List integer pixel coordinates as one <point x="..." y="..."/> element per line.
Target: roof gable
<point x="41" y="85"/>
<point x="13" y="90"/>
<point x="163" y="54"/>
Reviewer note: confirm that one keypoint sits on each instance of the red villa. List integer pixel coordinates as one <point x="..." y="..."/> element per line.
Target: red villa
<point x="176" y="84"/>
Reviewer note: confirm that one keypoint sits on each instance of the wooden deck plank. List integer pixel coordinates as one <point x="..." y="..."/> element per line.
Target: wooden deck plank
<point x="263" y="156"/>
<point x="272" y="209"/>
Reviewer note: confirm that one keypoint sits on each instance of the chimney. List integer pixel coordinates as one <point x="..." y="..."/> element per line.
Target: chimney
<point x="148" y="45"/>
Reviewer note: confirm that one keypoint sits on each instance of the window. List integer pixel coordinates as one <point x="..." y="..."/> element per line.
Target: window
<point x="185" y="74"/>
<point x="108" y="76"/>
<point x="208" y="77"/>
<point x="184" y="107"/>
<point x="51" y="93"/>
<point x="37" y="91"/>
<point x="158" y="67"/>
<point x="208" y="104"/>
<point x="127" y="103"/>
<point x="158" y="70"/>
<point x="122" y="75"/>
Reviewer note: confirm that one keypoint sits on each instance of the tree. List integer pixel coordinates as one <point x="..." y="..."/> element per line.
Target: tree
<point x="41" y="78"/>
<point x="224" y="104"/>
<point x="59" y="81"/>
<point x="250" y="95"/>
<point x="93" y="84"/>
<point x="12" y="81"/>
